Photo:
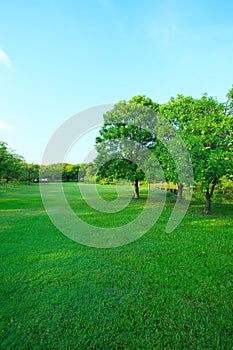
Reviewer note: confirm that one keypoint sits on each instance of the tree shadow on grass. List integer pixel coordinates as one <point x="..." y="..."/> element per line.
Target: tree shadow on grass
<point x="218" y="209"/>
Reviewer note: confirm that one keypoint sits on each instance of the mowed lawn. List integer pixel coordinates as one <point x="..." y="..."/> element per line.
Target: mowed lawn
<point x="163" y="291"/>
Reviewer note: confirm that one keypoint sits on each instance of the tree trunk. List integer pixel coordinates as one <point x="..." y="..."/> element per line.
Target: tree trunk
<point x="207" y="202"/>
<point x="136" y="189"/>
<point x="208" y="196"/>
<point x="180" y="192"/>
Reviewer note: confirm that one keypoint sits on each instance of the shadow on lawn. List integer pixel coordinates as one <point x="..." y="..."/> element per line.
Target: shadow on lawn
<point x="218" y="209"/>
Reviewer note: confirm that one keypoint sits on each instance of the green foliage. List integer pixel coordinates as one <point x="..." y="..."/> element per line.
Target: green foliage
<point x="51" y="172"/>
<point x="31" y="172"/>
<point x="145" y="101"/>
<point x="106" y="181"/>
<point x="70" y="172"/>
<point x="119" y="169"/>
<point x="229" y="103"/>
<point x="87" y="172"/>
<point x="12" y="166"/>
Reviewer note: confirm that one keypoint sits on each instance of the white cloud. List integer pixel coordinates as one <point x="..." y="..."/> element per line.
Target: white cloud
<point x="4" y="59"/>
<point x="5" y="126"/>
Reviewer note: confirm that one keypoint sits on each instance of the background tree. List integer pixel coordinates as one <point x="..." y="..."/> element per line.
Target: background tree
<point x="70" y="172"/>
<point x="229" y="103"/>
<point x="11" y="164"/>
<point x="162" y="147"/>
<point x="4" y="155"/>
<point x="51" y="172"/>
<point x="88" y="171"/>
<point x="30" y="172"/>
<point x="177" y="111"/>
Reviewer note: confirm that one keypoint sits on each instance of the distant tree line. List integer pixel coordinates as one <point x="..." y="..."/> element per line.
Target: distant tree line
<point x="68" y="172"/>
<point x="14" y="169"/>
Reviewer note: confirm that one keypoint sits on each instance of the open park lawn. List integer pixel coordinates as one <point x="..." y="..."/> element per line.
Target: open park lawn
<point x="163" y="291"/>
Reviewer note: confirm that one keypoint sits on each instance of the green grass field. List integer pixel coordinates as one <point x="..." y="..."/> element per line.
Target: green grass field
<point x="163" y="291"/>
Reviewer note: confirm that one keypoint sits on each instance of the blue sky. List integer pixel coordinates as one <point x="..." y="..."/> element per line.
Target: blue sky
<point x="60" y="57"/>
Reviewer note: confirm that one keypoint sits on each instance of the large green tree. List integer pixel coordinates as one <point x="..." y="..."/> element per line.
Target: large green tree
<point x="205" y="125"/>
<point x="127" y="133"/>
